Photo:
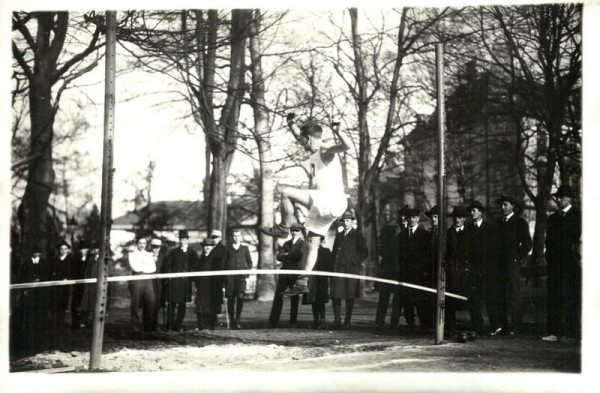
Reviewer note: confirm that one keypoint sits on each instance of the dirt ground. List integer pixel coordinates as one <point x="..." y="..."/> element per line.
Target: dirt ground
<point x="363" y="348"/>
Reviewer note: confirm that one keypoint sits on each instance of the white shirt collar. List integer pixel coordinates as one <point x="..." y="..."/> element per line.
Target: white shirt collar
<point x="508" y="216"/>
<point x="479" y="222"/>
<point x="566" y="209"/>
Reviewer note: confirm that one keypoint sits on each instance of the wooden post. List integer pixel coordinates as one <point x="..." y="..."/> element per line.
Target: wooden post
<point x="107" y="180"/>
<point x="441" y="196"/>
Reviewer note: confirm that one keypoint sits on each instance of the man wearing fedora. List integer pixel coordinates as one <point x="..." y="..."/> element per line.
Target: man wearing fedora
<point x="178" y="291"/>
<point x="563" y="258"/>
<point x="462" y="272"/>
<point x="485" y="260"/>
<point x="61" y="269"/>
<point x="290" y="256"/>
<point x="514" y="244"/>
<point x="416" y="268"/>
<point x="349" y="251"/>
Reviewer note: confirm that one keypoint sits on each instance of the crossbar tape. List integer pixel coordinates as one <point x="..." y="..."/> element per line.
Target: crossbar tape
<point x="41" y="284"/>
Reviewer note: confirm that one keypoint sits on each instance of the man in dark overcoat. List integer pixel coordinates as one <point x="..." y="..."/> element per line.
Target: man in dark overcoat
<point x="61" y="269"/>
<point x="514" y="244"/>
<point x="389" y="268"/>
<point x="78" y="272"/>
<point x="485" y="258"/>
<point x="318" y="286"/>
<point x="563" y="257"/>
<point x="209" y="289"/>
<point x="178" y="291"/>
<point x="237" y="258"/>
<point x="416" y="268"/>
<point x="290" y="256"/>
<point x="34" y="301"/>
<point x="349" y="251"/>
<point x="461" y="272"/>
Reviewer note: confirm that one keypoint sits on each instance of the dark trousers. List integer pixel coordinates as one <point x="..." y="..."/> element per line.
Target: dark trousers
<point x="75" y="302"/>
<point x="318" y="310"/>
<point x="564" y="304"/>
<point x="142" y="293"/>
<point x="382" y="305"/>
<point x="492" y="301"/>
<point x="284" y="282"/>
<point x="425" y="303"/>
<point x="175" y="322"/>
<point x="407" y="303"/>
<point x="510" y="296"/>
<point x="58" y="302"/>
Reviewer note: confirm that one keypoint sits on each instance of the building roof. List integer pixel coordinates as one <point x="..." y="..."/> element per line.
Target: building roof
<point x="165" y="215"/>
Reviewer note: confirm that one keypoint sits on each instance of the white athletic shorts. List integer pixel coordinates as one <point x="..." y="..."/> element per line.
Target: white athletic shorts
<point x="325" y="209"/>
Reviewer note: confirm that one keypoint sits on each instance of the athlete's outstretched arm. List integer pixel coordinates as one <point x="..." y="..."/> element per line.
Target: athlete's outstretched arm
<point x="344" y="142"/>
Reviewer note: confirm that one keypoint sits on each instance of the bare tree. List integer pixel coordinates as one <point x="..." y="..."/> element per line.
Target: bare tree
<point x="535" y="55"/>
<point x="42" y="48"/>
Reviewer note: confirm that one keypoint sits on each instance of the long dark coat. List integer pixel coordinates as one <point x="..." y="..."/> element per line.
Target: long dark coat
<point x="209" y="290"/>
<point x="416" y="265"/>
<point x="179" y="290"/>
<point x="88" y="300"/>
<point x="563" y="240"/>
<point x="318" y="286"/>
<point x="159" y="283"/>
<point x="514" y="241"/>
<point x="61" y="270"/>
<point x="389" y="265"/>
<point x="460" y="269"/>
<point x="348" y="253"/>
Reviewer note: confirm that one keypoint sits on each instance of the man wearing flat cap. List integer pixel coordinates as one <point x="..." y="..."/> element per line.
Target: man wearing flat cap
<point x="349" y="251"/>
<point x="563" y="258"/>
<point x="178" y="291"/>
<point x="416" y="268"/>
<point x="485" y="259"/>
<point x="290" y="256"/>
<point x="514" y="244"/>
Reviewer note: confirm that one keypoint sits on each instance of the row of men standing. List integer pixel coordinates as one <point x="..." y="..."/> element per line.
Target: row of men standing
<point x="482" y="262"/>
<point x="176" y="292"/>
<point x="349" y="252"/>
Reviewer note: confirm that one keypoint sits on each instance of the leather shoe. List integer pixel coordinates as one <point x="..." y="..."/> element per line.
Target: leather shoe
<point x="497" y="332"/>
<point x="297" y="289"/>
<point x="336" y="325"/>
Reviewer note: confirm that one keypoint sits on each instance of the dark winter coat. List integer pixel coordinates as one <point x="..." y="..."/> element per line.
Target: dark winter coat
<point x="389" y="265"/>
<point x="416" y="266"/>
<point x="460" y="268"/>
<point x="348" y="254"/>
<point x="485" y="254"/>
<point x="209" y="290"/>
<point x="88" y="300"/>
<point x="514" y="241"/>
<point x="563" y="239"/>
<point x="179" y="290"/>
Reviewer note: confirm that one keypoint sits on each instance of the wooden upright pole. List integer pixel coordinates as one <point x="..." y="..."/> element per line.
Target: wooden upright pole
<point x="441" y="196"/>
<point x="107" y="181"/>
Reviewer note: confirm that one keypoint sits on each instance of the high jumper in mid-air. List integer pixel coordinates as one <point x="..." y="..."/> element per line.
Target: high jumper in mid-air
<point x="324" y="203"/>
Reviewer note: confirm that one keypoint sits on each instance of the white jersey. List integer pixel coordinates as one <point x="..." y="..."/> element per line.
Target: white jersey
<point x="328" y="199"/>
<point x="327" y="178"/>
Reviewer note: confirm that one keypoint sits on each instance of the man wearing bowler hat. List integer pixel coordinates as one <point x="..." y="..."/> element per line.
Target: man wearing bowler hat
<point x="563" y="257"/>
<point x="514" y="244"/>
<point x="61" y="269"/>
<point x="485" y="259"/>
<point x="178" y="291"/>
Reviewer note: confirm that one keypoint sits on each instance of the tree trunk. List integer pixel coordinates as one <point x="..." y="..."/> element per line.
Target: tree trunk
<point x="223" y="137"/>
<point x="33" y="215"/>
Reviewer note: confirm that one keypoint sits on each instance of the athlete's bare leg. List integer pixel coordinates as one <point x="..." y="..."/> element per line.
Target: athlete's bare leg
<point x="289" y="196"/>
